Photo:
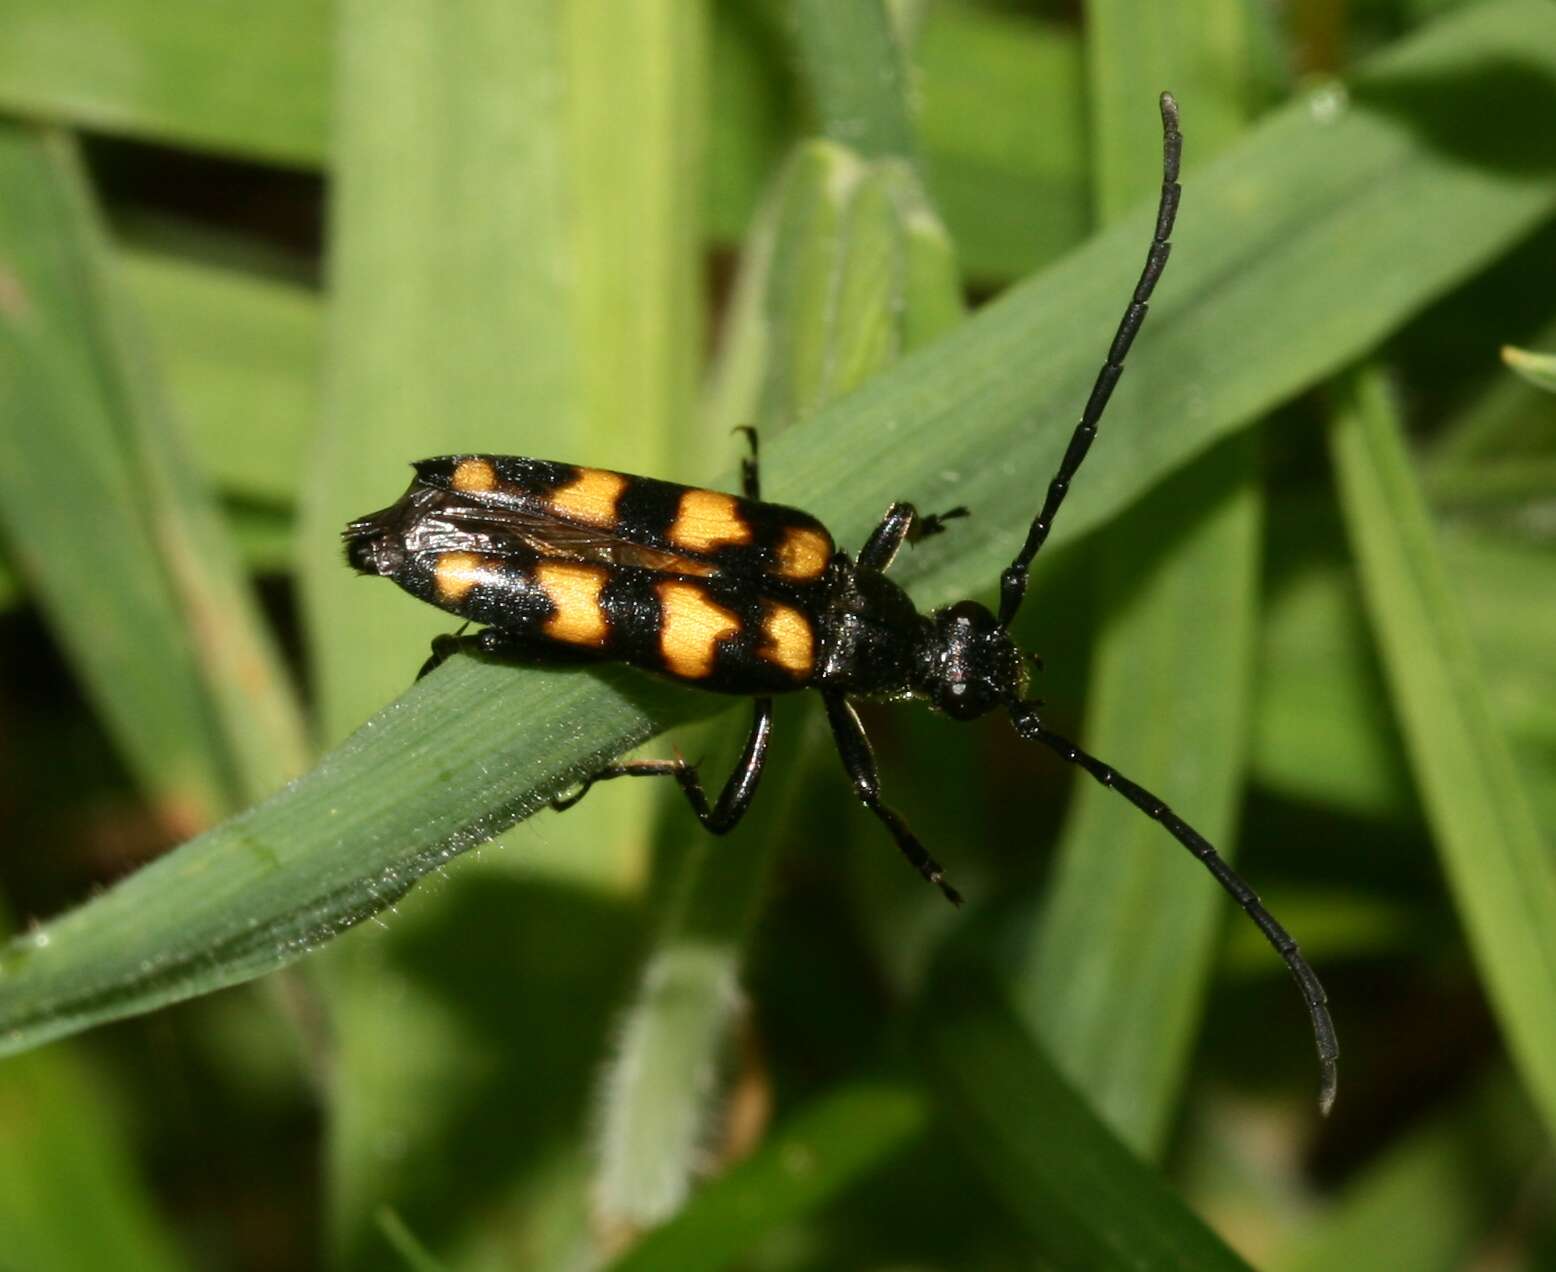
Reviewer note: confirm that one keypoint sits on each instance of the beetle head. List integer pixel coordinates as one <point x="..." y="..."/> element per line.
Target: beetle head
<point x="969" y="663"/>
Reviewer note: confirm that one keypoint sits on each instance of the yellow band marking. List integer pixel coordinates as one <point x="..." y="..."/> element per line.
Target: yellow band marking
<point x="456" y="574"/>
<point x="474" y="475"/>
<point x="787" y="639"/>
<point x="706" y="520"/>
<point x="574" y="592"/>
<point x="591" y="499"/>
<point x="690" y="628"/>
<point x="803" y="554"/>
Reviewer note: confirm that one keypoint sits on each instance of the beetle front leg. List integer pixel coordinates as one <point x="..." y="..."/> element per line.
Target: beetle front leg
<point x="901" y="524"/>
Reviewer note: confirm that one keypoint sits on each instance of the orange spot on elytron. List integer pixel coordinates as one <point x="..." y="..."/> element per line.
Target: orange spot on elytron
<point x="456" y="574"/>
<point x="476" y="475"/>
<point x="690" y="628"/>
<point x="787" y="639"/>
<point x="574" y="592"/>
<point x="591" y="499"/>
<point x="803" y="553"/>
<point x="706" y="520"/>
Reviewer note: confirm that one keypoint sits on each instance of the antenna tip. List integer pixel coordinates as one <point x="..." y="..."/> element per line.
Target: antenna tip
<point x="1169" y="105"/>
<point x="1328" y="1086"/>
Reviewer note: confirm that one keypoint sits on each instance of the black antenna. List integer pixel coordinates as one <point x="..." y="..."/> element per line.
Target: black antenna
<point x="1025" y="718"/>
<point x="1013" y="582"/>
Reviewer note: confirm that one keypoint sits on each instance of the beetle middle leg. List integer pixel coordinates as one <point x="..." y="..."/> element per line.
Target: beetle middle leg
<point x="903" y="523"/>
<point x="854" y="747"/>
<point x="738" y="790"/>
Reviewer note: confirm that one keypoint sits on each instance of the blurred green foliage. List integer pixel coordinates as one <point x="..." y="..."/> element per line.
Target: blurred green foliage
<point x="1302" y="588"/>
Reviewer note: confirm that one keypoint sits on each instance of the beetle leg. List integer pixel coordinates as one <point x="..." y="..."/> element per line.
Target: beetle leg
<point x="901" y="524"/>
<point x="494" y="642"/>
<point x="733" y="800"/>
<point x="443" y="648"/>
<point x="854" y="747"/>
<point x="750" y="466"/>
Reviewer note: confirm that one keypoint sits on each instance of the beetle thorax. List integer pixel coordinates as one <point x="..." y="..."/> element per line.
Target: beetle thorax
<point x="869" y="635"/>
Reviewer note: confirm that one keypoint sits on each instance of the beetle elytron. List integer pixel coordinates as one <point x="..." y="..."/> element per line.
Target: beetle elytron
<point x="744" y="597"/>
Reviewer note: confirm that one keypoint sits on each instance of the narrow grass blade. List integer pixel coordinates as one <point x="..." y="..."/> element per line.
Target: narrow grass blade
<point x="64" y="1153"/>
<point x="241" y="354"/>
<point x="1085" y="1199"/>
<point x="116" y="528"/>
<point x="1004" y="130"/>
<point x="1508" y="418"/>
<point x="215" y="73"/>
<point x="847" y="266"/>
<point x="1123" y="951"/>
<point x="1538" y="368"/>
<point x="69" y="1195"/>
<point x="1323" y="731"/>
<point x="1500" y="869"/>
<point x="1308" y="208"/>
<point x="822" y="1149"/>
<point x="516" y="267"/>
<point x="866" y="113"/>
<point x="1009" y="173"/>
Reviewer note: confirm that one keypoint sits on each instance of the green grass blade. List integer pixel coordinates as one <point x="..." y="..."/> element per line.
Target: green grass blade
<point x="69" y="1196"/>
<point x="1322" y="728"/>
<point x="1307" y="209"/>
<point x="847" y="266"/>
<point x="516" y="267"/>
<point x="214" y="73"/>
<point x="57" y="418"/>
<point x="866" y="113"/>
<point x="1498" y="866"/>
<point x="807" y="1162"/>
<point x="1538" y="368"/>
<point x="283" y="877"/>
<point x="1084" y="1198"/>
<point x="226" y="77"/>
<point x="241" y="354"/>
<point x="63" y="1154"/>
<point x="116" y="527"/>
<point x="1003" y="128"/>
<point x="1123" y="953"/>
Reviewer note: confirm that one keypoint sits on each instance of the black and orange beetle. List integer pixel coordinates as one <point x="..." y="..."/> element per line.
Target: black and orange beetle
<point x="740" y="596"/>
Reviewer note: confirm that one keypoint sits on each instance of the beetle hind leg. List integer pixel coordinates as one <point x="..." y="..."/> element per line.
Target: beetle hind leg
<point x="733" y="801"/>
<point x="444" y="647"/>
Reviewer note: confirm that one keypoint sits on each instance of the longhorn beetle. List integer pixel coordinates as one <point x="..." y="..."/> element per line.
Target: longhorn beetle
<point x="745" y="597"/>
